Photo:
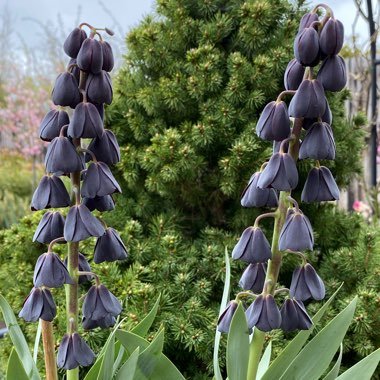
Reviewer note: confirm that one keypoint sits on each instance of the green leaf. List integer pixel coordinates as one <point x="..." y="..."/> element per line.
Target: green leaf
<point x="316" y="356"/>
<point x="37" y="341"/>
<point x="121" y="354"/>
<point x="223" y="304"/>
<point x="106" y="369"/>
<point x="334" y="372"/>
<point x="15" y="369"/>
<point x="19" y="341"/>
<point x="264" y="362"/>
<point x="279" y="365"/>
<point x="142" y="328"/>
<point x="128" y="369"/>
<point x="238" y="346"/>
<point x="364" y="369"/>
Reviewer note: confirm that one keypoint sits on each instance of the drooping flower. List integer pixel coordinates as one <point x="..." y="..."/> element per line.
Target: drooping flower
<point x="306" y="284"/>
<point x="74" y="41"/>
<point x="65" y="91"/>
<point x="306" y="47"/>
<point x="306" y="20"/>
<point x="293" y="75"/>
<point x="294" y="316"/>
<point x="108" y="59"/>
<point x="333" y="73"/>
<point x="90" y="56"/>
<point x="225" y="318"/>
<point x="105" y="148"/>
<point x="109" y="247"/>
<point x="99" y="88"/>
<point x="253" y="277"/>
<point x="83" y="266"/>
<point x="49" y="228"/>
<point x="101" y="204"/>
<point x="52" y="124"/>
<point x="331" y="37"/>
<point x="38" y="305"/>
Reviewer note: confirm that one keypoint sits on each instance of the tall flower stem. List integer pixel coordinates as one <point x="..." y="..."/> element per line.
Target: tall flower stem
<point x="49" y="350"/>
<point x="258" y="339"/>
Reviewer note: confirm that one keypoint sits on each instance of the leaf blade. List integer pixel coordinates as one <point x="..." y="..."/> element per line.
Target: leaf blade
<point x="143" y="327"/>
<point x="128" y="369"/>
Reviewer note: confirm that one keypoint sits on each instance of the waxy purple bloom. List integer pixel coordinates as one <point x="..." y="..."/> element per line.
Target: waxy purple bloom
<point x="108" y="59"/>
<point x="333" y="73"/>
<point x="109" y="247"/>
<point x="73" y="42"/>
<point x="293" y="75"/>
<point x="50" y="227"/>
<point x="99" y="88"/>
<point x="306" y="284"/>
<point x="66" y="91"/>
<point x="263" y="313"/>
<point x="306" y="47"/>
<point x="51" y="192"/>
<point x="253" y="277"/>
<point x="83" y="266"/>
<point x="52" y="123"/>
<point x="81" y="224"/>
<point x="74" y="352"/>
<point x="306" y="20"/>
<point x="280" y="173"/>
<point x="90" y="56"/>
<point x="103" y="323"/>
<point x="253" y="196"/>
<point x="320" y="186"/>
<point x="296" y="233"/>
<point x="101" y="204"/>
<point x="326" y="118"/>
<point x="294" y="316"/>
<point x="105" y="148"/>
<point x="225" y="318"/>
<point x="38" y="305"/>
<point x="331" y="38"/>
<point x="252" y="246"/>
<point x="50" y="271"/>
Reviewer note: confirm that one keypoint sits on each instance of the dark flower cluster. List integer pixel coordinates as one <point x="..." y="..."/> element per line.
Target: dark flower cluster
<point x="317" y="43"/>
<point x="85" y="87"/>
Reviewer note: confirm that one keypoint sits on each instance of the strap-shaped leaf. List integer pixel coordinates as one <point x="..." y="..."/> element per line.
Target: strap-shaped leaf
<point x="264" y="362"/>
<point x="142" y="328"/>
<point x="334" y="372"/>
<point x="15" y="369"/>
<point x="128" y="369"/>
<point x="106" y="368"/>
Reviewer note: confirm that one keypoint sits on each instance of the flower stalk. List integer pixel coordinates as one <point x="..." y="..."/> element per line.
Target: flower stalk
<point x="49" y="350"/>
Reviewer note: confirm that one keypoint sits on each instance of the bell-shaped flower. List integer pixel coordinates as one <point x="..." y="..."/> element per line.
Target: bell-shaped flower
<point x="99" y="181"/>
<point x="280" y="173"/>
<point x="86" y="122"/>
<point x="263" y="313"/>
<point x="99" y="88"/>
<point x="306" y="47"/>
<point x="74" y="352"/>
<point x="306" y="284"/>
<point x="333" y="73"/>
<point x="90" y="56"/>
<point x="296" y="233"/>
<point x="101" y="204"/>
<point x="105" y="148"/>
<point x="74" y="41"/>
<point x="253" y="277"/>
<point x="309" y="100"/>
<point x="81" y="224"/>
<point x="306" y="20"/>
<point x="108" y="59"/>
<point x="62" y="157"/>
<point x="109" y="247"/>
<point x="253" y="196"/>
<point x="38" y="305"/>
<point x="294" y="316"/>
<point x="100" y="303"/>
<point x="65" y="91"/>
<point x="326" y="118"/>
<point x="52" y="123"/>
<point x="50" y="192"/>
<point x="252" y="246"/>
<point x="320" y="186"/>
<point x="103" y="323"/>
<point x="83" y="266"/>
<point x="224" y="321"/>
<point x="293" y="75"/>
<point x="50" y="271"/>
<point x="49" y="228"/>
<point x="318" y="143"/>
<point x="331" y="37"/>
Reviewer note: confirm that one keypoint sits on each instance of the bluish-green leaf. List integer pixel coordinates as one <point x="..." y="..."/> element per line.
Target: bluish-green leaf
<point x="37" y="341"/>
<point x="128" y="369"/>
<point x="120" y="354"/>
<point x="106" y="369"/>
<point x="264" y="362"/>
<point x="279" y="365"/>
<point x="19" y="341"/>
<point x="364" y="369"/>
<point x="15" y="369"/>
<point x="225" y="298"/>
<point x="238" y="346"/>
<point x="316" y="356"/>
<point x="142" y="328"/>
<point x="334" y="372"/>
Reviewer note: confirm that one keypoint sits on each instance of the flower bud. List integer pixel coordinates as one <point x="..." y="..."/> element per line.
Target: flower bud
<point x="105" y="148"/>
<point x="109" y="247"/>
<point x="90" y="56"/>
<point x="224" y="321"/>
<point x="306" y="47"/>
<point x="73" y="42"/>
<point x="83" y="266"/>
<point x="252" y="246"/>
<point x="306" y="284"/>
<point x="294" y="316"/>
<point x="101" y="204"/>
<point x="49" y="228"/>
<point x="263" y="313"/>
<point x="306" y="20"/>
<point x="293" y="75"/>
<point x="38" y="305"/>
<point x="108" y="59"/>
<point x="52" y="123"/>
<point x="99" y="88"/>
<point x="66" y="91"/>
<point x="331" y="37"/>
<point x="332" y="74"/>
<point x="253" y="277"/>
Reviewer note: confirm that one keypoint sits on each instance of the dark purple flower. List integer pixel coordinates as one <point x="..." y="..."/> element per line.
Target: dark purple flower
<point x="105" y="148"/>
<point x="83" y="266"/>
<point x="331" y="38"/>
<point x="309" y="100"/>
<point x="109" y="247"/>
<point x="306" y="47"/>
<point x="51" y="192"/>
<point x="326" y="118"/>
<point x="65" y="91"/>
<point x="50" y="271"/>
<point x="294" y="316"/>
<point x="108" y="59"/>
<point x="62" y="157"/>
<point x="99" y="88"/>
<point x="73" y="42"/>
<point x="252" y="246"/>
<point x="52" y="123"/>
<point x="90" y="56"/>
<point x="225" y="318"/>
<point x="320" y="186"/>
<point x="318" y="143"/>
<point x="73" y="68"/>
<point x="101" y="204"/>
<point x="306" y="20"/>
<point x="280" y="173"/>
<point x="293" y="75"/>
<point x="253" y="196"/>
<point x="333" y="73"/>
<point x="50" y="227"/>
<point x="86" y="122"/>
<point x="263" y="313"/>
<point x="306" y="284"/>
<point x="74" y="352"/>
<point x="296" y="233"/>
<point x="274" y="123"/>
<point x="38" y="305"/>
<point x="81" y="224"/>
<point x="253" y="277"/>
<point x="103" y="323"/>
